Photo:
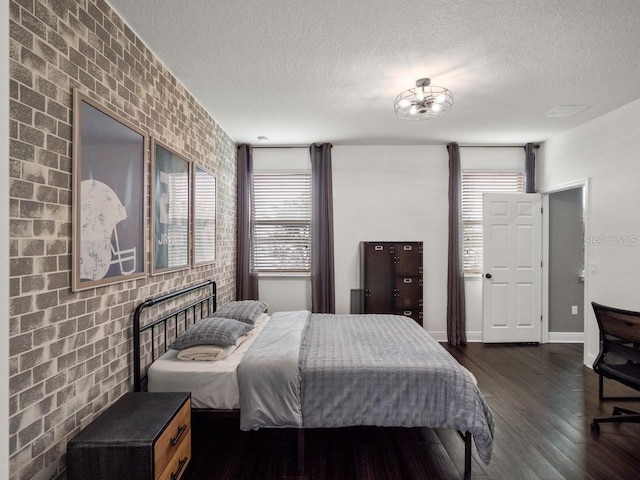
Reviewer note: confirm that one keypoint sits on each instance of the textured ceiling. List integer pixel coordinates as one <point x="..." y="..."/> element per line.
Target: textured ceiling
<point x="303" y="71"/>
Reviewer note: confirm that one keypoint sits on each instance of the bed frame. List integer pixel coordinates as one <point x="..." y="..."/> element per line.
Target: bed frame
<point x="161" y="333"/>
<point x="164" y="330"/>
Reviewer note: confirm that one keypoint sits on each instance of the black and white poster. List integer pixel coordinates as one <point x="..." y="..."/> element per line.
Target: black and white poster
<point x="170" y="214"/>
<point x="108" y="197"/>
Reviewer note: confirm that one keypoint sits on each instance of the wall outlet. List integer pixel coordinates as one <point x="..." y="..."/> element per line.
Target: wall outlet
<point x="574" y="309"/>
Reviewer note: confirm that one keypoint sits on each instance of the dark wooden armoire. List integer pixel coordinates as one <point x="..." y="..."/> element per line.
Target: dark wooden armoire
<point x="391" y="278"/>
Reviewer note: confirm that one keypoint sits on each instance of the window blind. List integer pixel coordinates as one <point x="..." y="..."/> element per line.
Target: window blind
<point x="177" y="221"/>
<point x="474" y="184"/>
<point x="281" y="222"/>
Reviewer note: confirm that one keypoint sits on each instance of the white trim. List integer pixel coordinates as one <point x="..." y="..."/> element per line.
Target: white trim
<point x="554" y="337"/>
<point x="4" y="243"/>
<point x="586" y="308"/>
<point x="566" y="337"/>
<point x="438" y="336"/>
<point x="566" y="186"/>
<point x="474" y="336"/>
<point x="545" y="268"/>
<point x="589" y="360"/>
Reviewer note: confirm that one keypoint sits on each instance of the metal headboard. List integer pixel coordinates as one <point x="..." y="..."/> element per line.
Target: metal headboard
<point x="193" y="311"/>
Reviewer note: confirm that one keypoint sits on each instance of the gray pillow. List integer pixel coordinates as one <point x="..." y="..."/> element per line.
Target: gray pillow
<point x="244" y="310"/>
<point x="211" y="331"/>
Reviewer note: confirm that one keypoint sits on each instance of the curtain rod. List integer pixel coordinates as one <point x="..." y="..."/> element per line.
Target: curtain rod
<point x="461" y="146"/>
<point x="278" y="146"/>
<point x="496" y="146"/>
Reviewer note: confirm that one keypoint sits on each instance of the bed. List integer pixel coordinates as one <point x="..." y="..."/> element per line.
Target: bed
<point x="301" y="370"/>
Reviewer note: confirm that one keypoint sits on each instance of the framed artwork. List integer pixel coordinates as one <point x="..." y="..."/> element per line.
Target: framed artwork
<point x="170" y="189"/>
<point x="109" y="221"/>
<point x="204" y="216"/>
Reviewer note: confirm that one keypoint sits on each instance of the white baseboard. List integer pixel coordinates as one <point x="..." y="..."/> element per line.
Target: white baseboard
<point x="566" y="337"/>
<point x="438" y="336"/>
<point x="554" y="337"/>
<point x="474" y="336"/>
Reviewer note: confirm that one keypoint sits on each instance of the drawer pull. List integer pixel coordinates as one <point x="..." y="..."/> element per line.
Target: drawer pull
<point x="408" y="247"/>
<point x="175" y="475"/>
<point x="378" y="247"/>
<point x="176" y="439"/>
<point x="407" y="313"/>
<point x="407" y="280"/>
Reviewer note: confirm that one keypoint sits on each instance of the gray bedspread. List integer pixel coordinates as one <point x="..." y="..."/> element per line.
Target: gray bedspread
<point x="269" y="374"/>
<point x="381" y="370"/>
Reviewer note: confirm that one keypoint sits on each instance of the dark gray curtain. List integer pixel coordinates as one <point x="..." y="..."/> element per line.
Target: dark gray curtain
<point x="530" y="168"/>
<point x="246" y="280"/>
<point x="456" y="317"/>
<point x="322" y="268"/>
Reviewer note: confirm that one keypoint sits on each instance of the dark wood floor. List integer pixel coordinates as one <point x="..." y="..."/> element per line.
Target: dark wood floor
<point x="542" y="399"/>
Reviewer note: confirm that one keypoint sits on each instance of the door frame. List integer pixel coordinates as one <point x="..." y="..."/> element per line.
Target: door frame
<point x="584" y="184"/>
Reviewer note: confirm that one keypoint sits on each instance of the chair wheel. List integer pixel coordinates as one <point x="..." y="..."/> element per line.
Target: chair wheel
<point x="595" y="427"/>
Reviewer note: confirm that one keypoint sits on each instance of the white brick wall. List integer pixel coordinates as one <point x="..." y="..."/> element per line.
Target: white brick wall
<point x="70" y="353"/>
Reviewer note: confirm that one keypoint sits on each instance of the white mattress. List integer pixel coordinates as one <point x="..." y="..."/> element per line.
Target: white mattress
<point x="212" y="384"/>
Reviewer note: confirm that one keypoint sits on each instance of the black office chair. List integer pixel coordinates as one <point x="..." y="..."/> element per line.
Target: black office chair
<point x="619" y="357"/>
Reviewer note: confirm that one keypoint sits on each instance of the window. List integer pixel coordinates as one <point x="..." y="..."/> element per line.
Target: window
<point x="281" y="222"/>
<point x="474" y="184"/>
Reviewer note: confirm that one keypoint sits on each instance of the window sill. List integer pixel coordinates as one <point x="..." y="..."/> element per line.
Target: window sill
<point x="284" y="275"/>
<point x="473" y="276"/>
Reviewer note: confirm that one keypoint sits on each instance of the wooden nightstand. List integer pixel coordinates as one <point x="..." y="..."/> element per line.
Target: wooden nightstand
<point x="141" y="436"/>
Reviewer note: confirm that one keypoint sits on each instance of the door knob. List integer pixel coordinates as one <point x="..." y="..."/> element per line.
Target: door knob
<point x="488" y="275"/>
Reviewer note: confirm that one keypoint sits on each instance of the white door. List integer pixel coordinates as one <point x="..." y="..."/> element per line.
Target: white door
<point x="512" y="275"/>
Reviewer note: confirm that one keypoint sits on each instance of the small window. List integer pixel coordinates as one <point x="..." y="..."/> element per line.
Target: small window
<point x="281" y="222"/>
<point x="474" y="184"/>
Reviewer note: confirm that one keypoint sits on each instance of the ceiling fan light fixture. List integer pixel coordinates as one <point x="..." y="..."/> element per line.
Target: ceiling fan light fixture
<point x="423" y="102"/>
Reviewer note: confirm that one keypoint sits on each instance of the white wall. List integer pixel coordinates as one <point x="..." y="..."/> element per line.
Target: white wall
<point x="392" y="193"/>
<point x="607" y="152"/>
<point x="388" y="193"/>
<point x="283" y="293"/>
<point x="380" y="193"/>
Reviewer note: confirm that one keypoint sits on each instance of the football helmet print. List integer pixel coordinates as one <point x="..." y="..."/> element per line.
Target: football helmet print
<point x="101" y="212"/>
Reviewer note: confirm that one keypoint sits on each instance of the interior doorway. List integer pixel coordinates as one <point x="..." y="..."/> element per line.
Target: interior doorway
<point x="564" y="282"/>
<point x="566" y="266"/>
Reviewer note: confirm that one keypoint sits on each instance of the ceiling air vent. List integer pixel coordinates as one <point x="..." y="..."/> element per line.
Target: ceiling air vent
<point x="565" y="111"/>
